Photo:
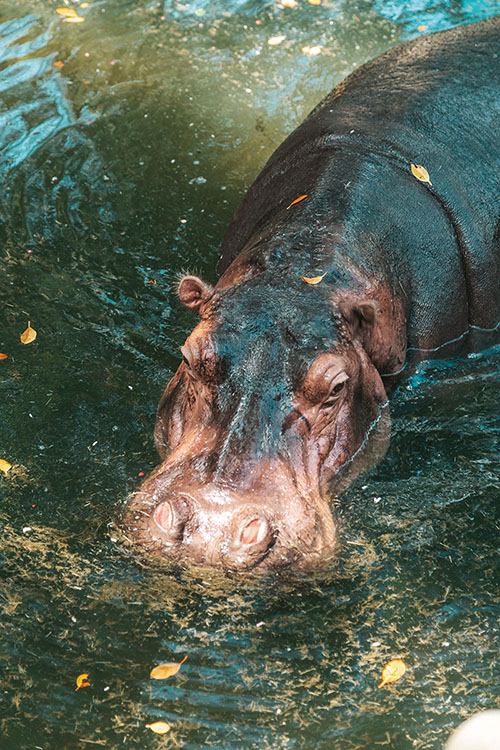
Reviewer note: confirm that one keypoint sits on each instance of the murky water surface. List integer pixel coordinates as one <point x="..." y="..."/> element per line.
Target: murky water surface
<point x="126" y="142"/>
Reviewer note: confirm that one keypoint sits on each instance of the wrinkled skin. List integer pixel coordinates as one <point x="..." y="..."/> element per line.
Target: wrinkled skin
<point x="281" y="392"/>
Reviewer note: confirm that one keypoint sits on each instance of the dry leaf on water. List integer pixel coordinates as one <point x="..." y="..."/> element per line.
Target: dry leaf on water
<point x="66" y="12"/>
<point x="393" y="671"/>
<point x="420" y="173"/>
<point x="313" y="279"/>
<point x="28" y="335"/>
<point x="5" y="466"/>
<point x="311" y="51"/>
<point x="82" y="681"/>
<point x="74" y="19"/>
<point x="3" y="356"/>
<point x="274" y="40"/>
<point x="159" y="727"/>
<point x="162" y="671"/>
<point x="297" y="200"/>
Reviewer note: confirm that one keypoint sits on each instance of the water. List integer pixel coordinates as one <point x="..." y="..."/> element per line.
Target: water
<point x="120" y="169"/>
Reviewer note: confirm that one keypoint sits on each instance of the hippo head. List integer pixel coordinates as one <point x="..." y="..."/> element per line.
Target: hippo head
<point x="275" y="396"/>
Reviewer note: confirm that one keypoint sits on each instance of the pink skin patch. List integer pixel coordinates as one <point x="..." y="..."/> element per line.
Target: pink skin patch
<point x="163" y="516"/>
<point x="254" y="531"/>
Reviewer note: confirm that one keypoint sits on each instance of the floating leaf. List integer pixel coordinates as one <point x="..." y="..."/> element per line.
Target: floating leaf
<point x="420" y="173"/>
<point x="274" y="40"/>
<point x="289" y="3"/>
<point x="74" y="19"/>
<point x="313" y="279"/>
<point x="59" y="64"/>
<point x="84" y="5"/>
<point x="3" y="356"/>
<point x="28" y="335"/>
<point x="297" y="200"/>
<point x="393" y="671"/>
<point x="5" y="466"/>
<point x="66" y="12"/>
<point x="314" y="2"/>
<point x="159" y="727"/>
<point x="311" y="51"/>
<point x="82" y="681"/>
<point x="162" y="671"/>
<point x="422" y="28"/>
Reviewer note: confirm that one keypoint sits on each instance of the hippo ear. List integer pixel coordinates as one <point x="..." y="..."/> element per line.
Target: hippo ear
<point x="363" y="317"/>
<point x="380" y="330"/>
<point x="193" y="292"/>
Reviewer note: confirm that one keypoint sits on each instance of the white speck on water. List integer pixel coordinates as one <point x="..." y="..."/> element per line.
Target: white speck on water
<point x="26" y="529"/>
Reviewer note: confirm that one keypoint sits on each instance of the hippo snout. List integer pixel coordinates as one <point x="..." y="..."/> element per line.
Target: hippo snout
<point x="210" y="526"/>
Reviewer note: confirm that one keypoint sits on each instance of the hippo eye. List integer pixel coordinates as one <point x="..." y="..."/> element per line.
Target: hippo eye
<point x="334" y="393"/>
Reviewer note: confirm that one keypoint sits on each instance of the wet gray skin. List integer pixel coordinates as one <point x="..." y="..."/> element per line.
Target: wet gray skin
<point x="270" y="405"/>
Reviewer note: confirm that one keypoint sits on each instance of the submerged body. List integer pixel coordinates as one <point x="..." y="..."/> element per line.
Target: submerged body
<point x="283" y="386"/>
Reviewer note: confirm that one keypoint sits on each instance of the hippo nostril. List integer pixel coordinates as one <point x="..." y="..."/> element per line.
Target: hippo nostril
<point x="164" y="516"/>
<point x="254" y="531"/>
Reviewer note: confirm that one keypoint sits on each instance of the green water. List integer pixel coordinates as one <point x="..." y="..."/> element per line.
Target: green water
<point x="119" y="171"/>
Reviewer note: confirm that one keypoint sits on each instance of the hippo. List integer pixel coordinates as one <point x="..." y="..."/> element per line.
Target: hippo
<point x="370" y="241"/>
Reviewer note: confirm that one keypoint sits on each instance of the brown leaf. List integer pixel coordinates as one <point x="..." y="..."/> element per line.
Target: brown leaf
<point x="313" y="279"/>
<point x="5" y="466"/>
<point x="3" y="356"/>
<point x="420" y="173"/>
<point x="159" y="727"/>
<point x="28" y="335"/>
<point x="82" y="681"/>
<point x="297" y="200"/>
<point x="393" y="671"/>
<point x="162" y="671"/>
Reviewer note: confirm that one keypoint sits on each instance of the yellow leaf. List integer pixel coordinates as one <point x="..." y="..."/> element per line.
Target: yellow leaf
<point x="313" y="279"/>
<point x="159" y="727"/>
<point x="422" y="28"/>
<point x="311" y="51"/>
<point x="274" y="40"/>
<point x="393" y="671"/>
<point x="420" y="173"/>
<point x="297" y="200"/>
<point x="162" y="671"/>
<point x="314" y="2"/>
<point x="66" y="12"/>
<point x="84" y="5"/>
<point x="5" y="466"/>
<point x="3" y="356"/>
<point x="289" y="3"/>
<point x="59" y="64"/>
<point x="82" y="681"/>
<point x="28" y="335"/>
<point x="74" y="19"/>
